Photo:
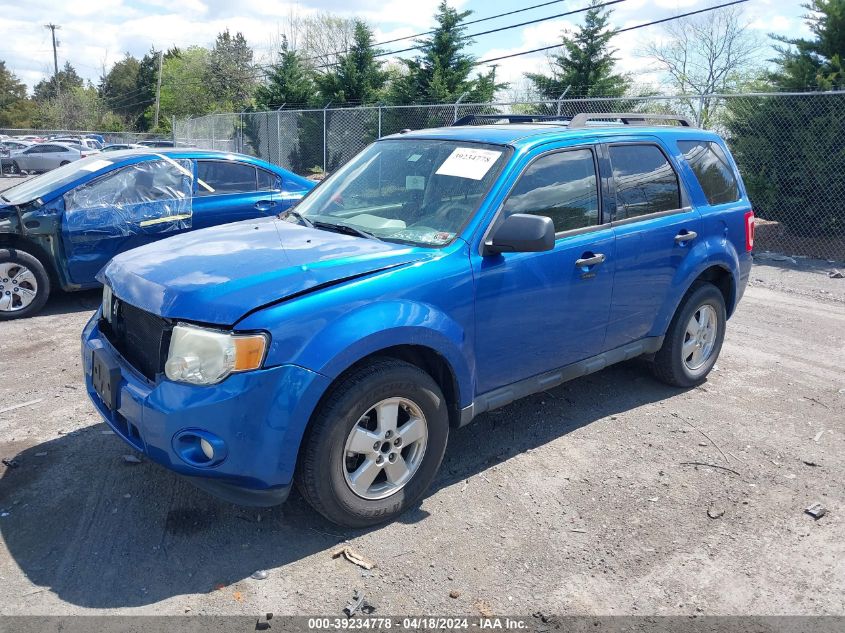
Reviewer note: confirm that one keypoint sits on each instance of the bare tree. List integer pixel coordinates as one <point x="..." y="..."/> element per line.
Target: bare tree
<point x="705" y="54"/>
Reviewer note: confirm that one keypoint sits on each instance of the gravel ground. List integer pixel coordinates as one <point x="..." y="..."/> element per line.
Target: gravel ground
<point x="574" y="501"/>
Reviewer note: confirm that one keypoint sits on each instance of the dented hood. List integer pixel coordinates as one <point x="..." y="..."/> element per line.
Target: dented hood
<point x="219" y="274"/>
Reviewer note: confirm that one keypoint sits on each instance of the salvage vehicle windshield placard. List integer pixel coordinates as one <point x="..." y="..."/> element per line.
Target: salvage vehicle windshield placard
<point x="468" y="162"/>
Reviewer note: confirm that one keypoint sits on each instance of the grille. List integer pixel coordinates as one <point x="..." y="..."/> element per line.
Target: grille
<point x="140" y="337"/>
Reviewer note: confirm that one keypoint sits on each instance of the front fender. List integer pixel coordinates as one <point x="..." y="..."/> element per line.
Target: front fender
<point x="374" y="327"/>
<point x="338" y="338"/>
<point x="713" y="251"/>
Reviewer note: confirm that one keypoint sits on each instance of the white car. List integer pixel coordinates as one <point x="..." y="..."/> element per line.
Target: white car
<point x="47" y="156"/>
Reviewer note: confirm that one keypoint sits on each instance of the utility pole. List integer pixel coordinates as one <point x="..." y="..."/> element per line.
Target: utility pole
<point x="158" y="89"/>
<point x="53" y="28"/>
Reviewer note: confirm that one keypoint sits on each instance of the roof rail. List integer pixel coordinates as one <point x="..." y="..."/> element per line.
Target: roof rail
<point x="469" y="119"/>
<point x="626" y="118"/>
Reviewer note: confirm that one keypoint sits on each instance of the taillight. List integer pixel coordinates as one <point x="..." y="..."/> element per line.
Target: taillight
<point x="749" y="230"/>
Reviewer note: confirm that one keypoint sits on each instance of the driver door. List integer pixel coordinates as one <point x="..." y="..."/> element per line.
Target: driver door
<point x="124" y="209"/>
<point x="536" y="312"/>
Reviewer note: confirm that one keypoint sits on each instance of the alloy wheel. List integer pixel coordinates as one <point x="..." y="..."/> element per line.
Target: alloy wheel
<point x="700" y="337"/>
<point x="385" y="448"/>
<point x="18" y="287"/>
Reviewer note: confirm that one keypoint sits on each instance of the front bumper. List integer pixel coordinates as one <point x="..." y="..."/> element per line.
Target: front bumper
<point x="260" y="416"/>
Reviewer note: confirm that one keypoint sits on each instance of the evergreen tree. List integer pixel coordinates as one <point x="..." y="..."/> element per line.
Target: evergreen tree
<point x="67" y="79"/>
<point x="441" y="74"/>
<point x="119" y="87"/>
<point x="290" y="82"/>
<point x="585" y="65"/>
<point x="816" y="63"/>
<point x="358" y="78"/>
<point x="231" y="77"/>
<point x="791" y="150"/>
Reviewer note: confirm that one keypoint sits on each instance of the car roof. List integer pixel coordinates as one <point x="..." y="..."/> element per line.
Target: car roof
<point x="521" y="135"/>
<point x="182" y="152"/>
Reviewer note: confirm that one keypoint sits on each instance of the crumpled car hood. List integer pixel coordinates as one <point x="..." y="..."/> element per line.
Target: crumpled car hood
<point x="219" y="274"/>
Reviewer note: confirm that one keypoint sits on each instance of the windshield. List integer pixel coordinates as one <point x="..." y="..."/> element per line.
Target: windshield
<point x="42" y="185"/>
<point x="416" y="191"/>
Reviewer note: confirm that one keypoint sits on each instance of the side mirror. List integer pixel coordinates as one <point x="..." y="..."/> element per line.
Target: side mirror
<point x="522" y="233"/>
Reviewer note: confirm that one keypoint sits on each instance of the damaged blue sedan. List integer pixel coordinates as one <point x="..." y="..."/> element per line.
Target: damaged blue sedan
<point x="59" y="229"/>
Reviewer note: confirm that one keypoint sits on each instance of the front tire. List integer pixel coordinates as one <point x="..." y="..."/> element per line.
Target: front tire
<point x="374" y="445"/>
<point x="24" y="284"/>
<point x="694" y="338"/>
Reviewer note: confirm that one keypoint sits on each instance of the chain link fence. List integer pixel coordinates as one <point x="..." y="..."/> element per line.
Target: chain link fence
<point x="790" y="147"/>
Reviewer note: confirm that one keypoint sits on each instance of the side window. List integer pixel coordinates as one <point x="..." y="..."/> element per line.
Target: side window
<point x="562" y="186"/>
<point x="645" y="181"/>
<point x="225" y="177"/>
<point x="150" y="181"/>
<point x="712" y="169"/>
<point x="268" y="181"/>
<point x="38" y="149"/>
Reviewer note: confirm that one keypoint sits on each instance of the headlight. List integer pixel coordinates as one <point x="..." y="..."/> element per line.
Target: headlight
<point x="108" y="302"/>
<point x="202" y="356"/>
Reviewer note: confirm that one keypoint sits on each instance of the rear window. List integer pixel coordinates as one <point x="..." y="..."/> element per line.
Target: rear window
<point x="712" y="169"/>
<point x="645" y="181"/>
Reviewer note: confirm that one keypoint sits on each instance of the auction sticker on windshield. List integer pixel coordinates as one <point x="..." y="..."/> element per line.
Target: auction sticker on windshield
<point x="468" y="162"/>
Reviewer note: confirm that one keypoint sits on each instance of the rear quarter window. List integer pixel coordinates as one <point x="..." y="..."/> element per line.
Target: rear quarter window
<point x="712" y="170"/>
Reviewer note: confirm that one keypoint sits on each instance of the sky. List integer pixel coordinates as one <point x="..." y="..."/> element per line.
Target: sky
<point x="96" y="33"/>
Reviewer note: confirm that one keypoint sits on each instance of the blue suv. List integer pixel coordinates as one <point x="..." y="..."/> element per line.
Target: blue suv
<point x="437" y="275"/>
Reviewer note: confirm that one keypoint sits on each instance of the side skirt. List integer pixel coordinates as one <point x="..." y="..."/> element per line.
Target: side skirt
<point x="507" y="394"/>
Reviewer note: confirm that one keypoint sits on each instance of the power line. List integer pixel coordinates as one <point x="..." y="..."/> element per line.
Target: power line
<point x="617" y="31"/>
<point x="510" y="26"/>
<point x="492" y="17"/>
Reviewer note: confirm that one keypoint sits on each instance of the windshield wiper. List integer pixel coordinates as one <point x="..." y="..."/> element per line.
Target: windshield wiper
<point x="346" y="228"/>
<point x="302" y="219"/>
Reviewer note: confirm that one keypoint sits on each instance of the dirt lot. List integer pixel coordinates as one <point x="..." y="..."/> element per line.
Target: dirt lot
<point x="575" y="501"/>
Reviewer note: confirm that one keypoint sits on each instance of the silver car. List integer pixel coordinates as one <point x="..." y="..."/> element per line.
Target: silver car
<point x="47" y="156"/>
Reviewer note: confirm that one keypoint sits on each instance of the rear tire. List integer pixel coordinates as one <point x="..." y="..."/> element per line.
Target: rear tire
<point x="694" y="339"/>
<point x="64" y="162"/>
<point x="331" y="463"/>
<point x="24" y="284"/>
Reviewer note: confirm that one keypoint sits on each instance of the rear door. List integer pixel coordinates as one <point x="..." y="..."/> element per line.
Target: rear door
<point x="228" y="191"/>
<point x="655" y="228"/>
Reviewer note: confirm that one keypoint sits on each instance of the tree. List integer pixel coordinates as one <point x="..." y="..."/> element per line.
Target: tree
<point x="78" y="108"/>
<point x="67" y="79"/>
<point x="441" y="74"/>
<point x="706" y="54"/>
<point x="816" y="63"/>
<point x="231" y="77"/>
<point x="290" y="84"/>
<point x="183" y="89"/>
<point x="321" y="38"/>
<point x="358" y="77"/>
<point x="585" y="66"/>
<point x="290" y="81"/>
<point x="790" y="149"/>
<point x="119" y="87"/>
<point x="15" y="108"/>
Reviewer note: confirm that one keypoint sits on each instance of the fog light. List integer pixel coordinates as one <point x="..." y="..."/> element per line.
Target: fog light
<point x="200" y="448"/>
<point x="207" y="449"/>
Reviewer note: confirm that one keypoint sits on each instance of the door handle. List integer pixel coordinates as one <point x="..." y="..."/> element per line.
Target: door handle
<point x="598" y="258"/>
<point x="685" y="236"/>
<point x="265" y="205"/>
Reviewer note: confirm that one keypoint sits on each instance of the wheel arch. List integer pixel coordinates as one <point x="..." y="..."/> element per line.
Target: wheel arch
<point x="18" y="242"/>
<point x="425" y="358"/>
